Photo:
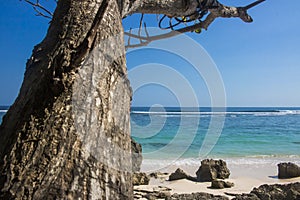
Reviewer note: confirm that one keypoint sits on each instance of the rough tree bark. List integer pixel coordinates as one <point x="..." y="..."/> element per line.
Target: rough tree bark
<point x="67" y="134"/>
<point x="75" y="99"/>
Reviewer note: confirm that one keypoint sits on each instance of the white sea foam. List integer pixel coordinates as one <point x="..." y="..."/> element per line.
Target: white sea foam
<point x="3" y="111"/>
<point x="233" y="114"/>
<point x="280" y="112"/>
<point x="233" y="161"/>
<point x="184" y="115"/>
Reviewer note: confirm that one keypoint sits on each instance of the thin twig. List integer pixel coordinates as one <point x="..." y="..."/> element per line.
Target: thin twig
<point x="39" y="13"/>
<point x="40" y="9"/>
<point x="145" y="27"/>
<point x="251" y="5"/>
<point x="141" y="25"/>
<point x="128" y="42"/>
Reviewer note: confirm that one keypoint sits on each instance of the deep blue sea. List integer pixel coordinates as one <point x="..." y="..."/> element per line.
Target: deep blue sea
<point x="191" y="134"/>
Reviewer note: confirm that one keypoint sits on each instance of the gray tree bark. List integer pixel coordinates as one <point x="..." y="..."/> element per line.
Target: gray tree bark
<point x="67" y="134"/>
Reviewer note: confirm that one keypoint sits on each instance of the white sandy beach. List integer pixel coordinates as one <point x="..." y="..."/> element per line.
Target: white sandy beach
<point x="244" y="176"/>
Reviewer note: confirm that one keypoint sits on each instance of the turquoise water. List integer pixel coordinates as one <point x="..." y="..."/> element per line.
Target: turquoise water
<point x="247" y="133"/>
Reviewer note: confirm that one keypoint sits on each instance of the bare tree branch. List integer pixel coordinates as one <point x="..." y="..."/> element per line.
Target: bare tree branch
<point x="168" y="7"/>
<point x="147" y="39"/>
<point x="215" y="9"/>
<point x="40" y="9"/>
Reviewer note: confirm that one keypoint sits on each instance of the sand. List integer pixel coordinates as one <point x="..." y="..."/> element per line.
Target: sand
<point x="244" y="176"/>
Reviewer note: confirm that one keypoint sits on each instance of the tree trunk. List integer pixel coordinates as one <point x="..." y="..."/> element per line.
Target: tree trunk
<point x="67" y="134"/>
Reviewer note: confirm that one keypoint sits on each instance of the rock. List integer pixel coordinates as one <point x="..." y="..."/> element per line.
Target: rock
<point x="228" y="184"/>
<point x="180" y="174"/>
<point x="157" y="195"/>
<point x="246" y="197"/>
<point x="136" y="155"/>
<point x="288" y="170"/>
<point x="219" y="184"/>
<point x="160" y="192"/>
<point x="212" y="169"/>
<point x="196" y="196"/>
<point x="273" y="192"/>
<point x="158" y="174"/>
<point x="277" y="191"/>
<point x="140" y="179"/>
<point x="216" y="184"/>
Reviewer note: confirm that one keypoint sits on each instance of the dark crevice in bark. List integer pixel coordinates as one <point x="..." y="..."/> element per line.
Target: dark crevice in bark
<point x="89" y="42"/>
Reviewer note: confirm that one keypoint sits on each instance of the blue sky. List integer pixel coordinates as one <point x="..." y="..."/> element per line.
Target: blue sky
<point x="259" y="62"/>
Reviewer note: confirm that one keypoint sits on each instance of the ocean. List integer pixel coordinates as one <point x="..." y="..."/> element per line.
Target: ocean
<point x="238" y="134"/>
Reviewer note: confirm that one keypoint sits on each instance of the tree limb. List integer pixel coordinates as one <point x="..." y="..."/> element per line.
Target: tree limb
<point x="145" y="40"/>
<point x="215" y="9"/>
<point x="168" y="7"/>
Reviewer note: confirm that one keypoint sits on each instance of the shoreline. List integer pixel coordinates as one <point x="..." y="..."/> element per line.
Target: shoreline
<point x="190" y="164"/>
<point x="244" y="175"/>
